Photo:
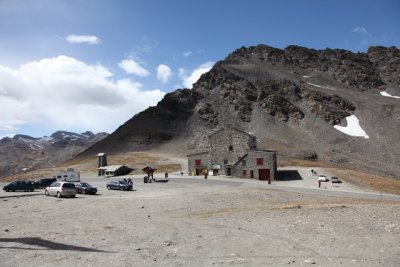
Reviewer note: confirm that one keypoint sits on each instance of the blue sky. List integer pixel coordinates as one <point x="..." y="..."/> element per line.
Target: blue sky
<point x="91" y="65"/>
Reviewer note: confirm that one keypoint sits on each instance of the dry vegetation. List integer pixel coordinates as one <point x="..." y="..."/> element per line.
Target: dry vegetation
<point x="356" y="177"/>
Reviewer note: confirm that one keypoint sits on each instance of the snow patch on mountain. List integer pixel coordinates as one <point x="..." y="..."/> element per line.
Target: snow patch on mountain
<point x="384" y="93"/>
<point x="353" y="127"/>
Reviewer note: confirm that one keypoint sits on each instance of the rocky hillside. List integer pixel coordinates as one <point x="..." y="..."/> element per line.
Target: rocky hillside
<point x="291" y="99"/>
<point x="23" y="152"/>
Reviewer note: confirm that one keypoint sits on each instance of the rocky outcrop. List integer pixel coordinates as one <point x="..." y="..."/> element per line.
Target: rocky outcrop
<point x="387" y="61"/>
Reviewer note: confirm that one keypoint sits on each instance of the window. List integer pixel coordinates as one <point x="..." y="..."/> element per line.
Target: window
<point x="197" y="162"/>
<point x="260" y="161"/>
<point x="244" y="162"/>
<point x="225" y="161"/>
<point x="230" y="148"/>
<point x="244" y="173"/>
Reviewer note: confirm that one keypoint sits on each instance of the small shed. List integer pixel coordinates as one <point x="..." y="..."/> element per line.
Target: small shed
<point x="114" y="170"/>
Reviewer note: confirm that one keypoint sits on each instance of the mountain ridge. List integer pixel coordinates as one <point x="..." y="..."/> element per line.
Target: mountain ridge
<point x="290" y="98"/>
<point x="24" y="152"/>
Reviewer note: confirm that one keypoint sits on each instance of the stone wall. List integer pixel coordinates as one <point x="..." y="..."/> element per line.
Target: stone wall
<point x="228" y="145"/>
<point x="249" y="163"/>
<point x="204" y="157"/>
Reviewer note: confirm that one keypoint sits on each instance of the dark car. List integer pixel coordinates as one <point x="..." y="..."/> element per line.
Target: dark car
<point x="45" y="182"/>
<point x="20" y="186"/>
<point x="85" y="188"/>
<point x="335" y="179"/>
<point x="119" y="185"/>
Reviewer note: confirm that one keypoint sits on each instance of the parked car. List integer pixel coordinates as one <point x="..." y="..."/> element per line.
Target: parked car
<point x="335" y="179"/>
<point x="85" y="188"/>
<point x="322" y="178"/>
<point x="119" y="185"/>
<point x="45" y="182"/>
<point x="20" y="186"/>
<point x="61" y="189"/>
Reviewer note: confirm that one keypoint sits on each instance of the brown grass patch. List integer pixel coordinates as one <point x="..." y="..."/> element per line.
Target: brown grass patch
<point x="282" y="162"/>
<point x="375" y="182"/>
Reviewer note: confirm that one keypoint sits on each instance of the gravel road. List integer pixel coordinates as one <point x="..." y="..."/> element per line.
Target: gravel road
<point x="197" y="222"/>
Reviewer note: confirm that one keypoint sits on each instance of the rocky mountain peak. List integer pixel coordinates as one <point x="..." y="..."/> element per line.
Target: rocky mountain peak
<point x="289" y="98"/>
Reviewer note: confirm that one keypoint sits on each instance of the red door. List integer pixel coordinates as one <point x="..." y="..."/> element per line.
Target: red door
<point x="264" y="174"/>
<point x="251" y="174"/>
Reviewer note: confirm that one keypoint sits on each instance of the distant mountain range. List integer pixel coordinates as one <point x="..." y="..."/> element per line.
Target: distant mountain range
<point x="24" y="152"/>
<point x="291" y="99"/>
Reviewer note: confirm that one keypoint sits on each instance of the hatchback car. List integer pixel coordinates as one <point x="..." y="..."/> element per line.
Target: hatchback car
<point x="20" y="186"/>
<point x="85" y="188"/>
<point x="119" y="185"/>
<point x="61" y="189"/>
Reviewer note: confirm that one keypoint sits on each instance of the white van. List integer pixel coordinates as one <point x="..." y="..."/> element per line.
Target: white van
<point x="68" y="176"/>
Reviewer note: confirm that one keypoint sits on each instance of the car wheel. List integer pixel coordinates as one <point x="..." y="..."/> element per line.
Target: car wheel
<point x="7" y="190"/>
<point x="121" y="188"/>
<point x="109" y="187"/>
<point x="58" y="194"/>
<point x="73" y="196"/>
<point x="46" y="193"/>
<point x="32" y="190"/>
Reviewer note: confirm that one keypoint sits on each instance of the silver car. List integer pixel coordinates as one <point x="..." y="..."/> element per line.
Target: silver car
<point x="61" y="189"/>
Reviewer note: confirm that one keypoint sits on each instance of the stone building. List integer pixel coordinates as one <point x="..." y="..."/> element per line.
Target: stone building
<point x="257" y="164"/>
<point x="197" y="162"/>
<point x="229" y="150"/>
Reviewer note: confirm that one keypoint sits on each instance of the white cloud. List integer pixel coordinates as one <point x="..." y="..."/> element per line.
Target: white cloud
<point x="188" y="79"/>
<point x="62" y="93"/>
<point x="133" y="67"/>
<point x="89" y="39"/>
<point x="187" y="54"/>
<point x="163" y="73"/>
<point x="361" y="30"/>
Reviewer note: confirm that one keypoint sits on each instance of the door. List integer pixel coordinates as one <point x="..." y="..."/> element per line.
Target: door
<point x="251" y="174"/>
<point x="264" y="174"/>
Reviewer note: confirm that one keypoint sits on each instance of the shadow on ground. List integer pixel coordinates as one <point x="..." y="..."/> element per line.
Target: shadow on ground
<point x="288" y="175"/>
<point x="46" y="244"/>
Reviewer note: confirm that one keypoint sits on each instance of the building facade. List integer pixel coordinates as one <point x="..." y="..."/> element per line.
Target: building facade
<point x="234" y="152"/>
<point x="257" y="164"/>
<point x="197" y="162"/>
<point x="229" y="145"/>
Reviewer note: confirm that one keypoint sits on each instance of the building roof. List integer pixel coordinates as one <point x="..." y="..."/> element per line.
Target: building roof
<point x="111" y="168"/>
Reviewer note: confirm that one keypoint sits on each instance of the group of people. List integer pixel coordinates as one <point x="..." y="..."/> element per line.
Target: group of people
<point x="128" y="181"/>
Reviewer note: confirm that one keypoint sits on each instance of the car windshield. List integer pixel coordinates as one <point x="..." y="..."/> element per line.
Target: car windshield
<point x="86" y="185"/>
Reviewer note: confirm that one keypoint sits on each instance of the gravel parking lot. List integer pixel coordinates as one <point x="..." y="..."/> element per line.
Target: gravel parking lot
<point x="196" y="222"/>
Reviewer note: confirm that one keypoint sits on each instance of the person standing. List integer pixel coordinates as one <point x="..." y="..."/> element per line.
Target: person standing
<point x="205" y="171"/>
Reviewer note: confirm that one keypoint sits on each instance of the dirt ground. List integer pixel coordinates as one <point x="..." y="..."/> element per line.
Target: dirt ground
<point x="197" y="222"/>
